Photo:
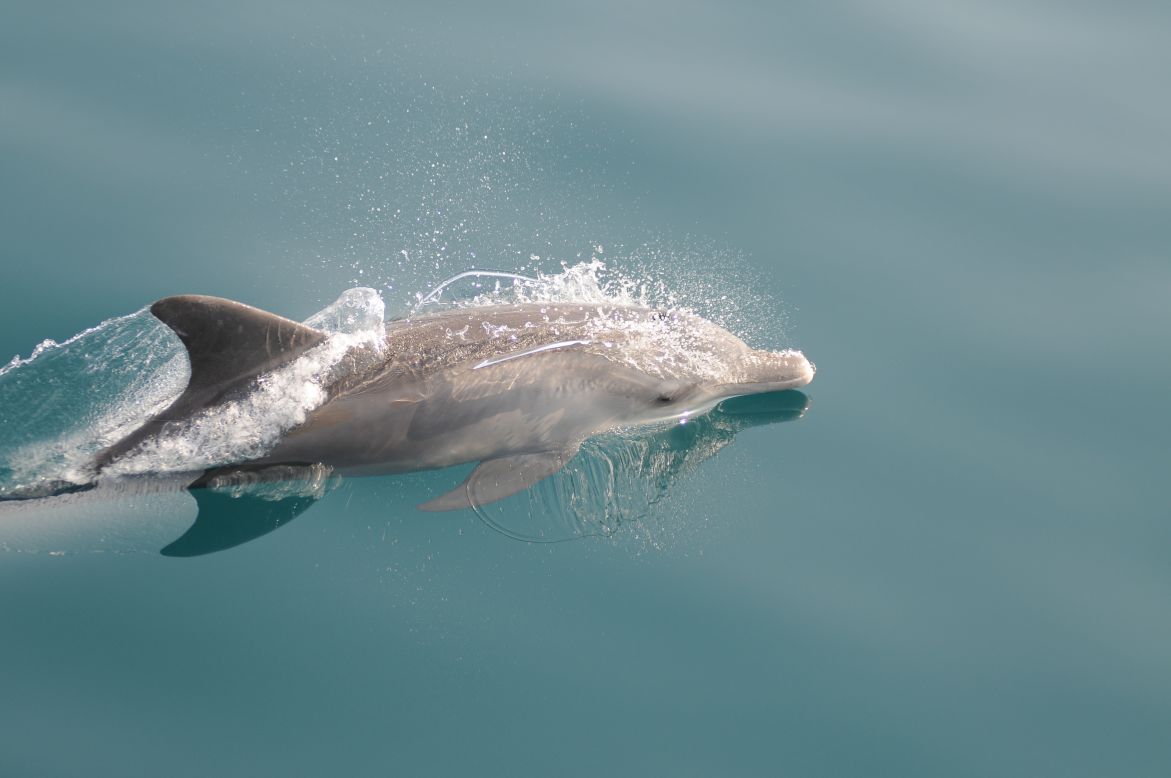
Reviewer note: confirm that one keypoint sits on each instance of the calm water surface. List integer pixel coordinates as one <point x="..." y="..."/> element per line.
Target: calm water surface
<point x="958" y="562"/>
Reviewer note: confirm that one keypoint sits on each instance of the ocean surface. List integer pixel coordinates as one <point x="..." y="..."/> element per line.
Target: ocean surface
<point x="950" y="555"/>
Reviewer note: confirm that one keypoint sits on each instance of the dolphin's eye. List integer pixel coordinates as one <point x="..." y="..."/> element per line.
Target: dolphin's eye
<point x="673" y="391"/>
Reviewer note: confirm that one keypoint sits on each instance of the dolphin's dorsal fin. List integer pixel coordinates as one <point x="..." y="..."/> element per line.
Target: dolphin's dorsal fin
<point x="495" y="479"/>
<point x="228" y="342"/>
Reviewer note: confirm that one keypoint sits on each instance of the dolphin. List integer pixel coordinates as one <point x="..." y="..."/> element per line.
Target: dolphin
<point x="516" y="388"/>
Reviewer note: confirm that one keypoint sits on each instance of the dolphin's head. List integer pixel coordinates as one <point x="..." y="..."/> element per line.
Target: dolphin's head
<point x="700" y="364"/>
<point x="759" y="372"/>
<point x="729" y="367"/>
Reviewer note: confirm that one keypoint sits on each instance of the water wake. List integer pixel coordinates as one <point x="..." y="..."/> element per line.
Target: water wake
<point x="66" y="402"/>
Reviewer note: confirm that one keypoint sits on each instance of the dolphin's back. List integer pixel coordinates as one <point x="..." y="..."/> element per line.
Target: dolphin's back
<point x="441" y="340"/>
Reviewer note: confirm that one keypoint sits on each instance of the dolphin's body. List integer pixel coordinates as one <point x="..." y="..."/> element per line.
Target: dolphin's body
<point x="516" y="388"/>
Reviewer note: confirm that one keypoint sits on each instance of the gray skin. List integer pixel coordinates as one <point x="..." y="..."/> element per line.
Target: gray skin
<point x="515" y="388"/>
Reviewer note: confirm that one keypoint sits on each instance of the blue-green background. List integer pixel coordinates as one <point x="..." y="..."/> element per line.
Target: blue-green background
<point x="959" y="563"/>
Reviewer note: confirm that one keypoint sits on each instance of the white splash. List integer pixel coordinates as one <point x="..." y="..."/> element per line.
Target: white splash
<point x="668" y="339"/>
<point x="246" y="428"/>
<point x="49" y="345"/>
<point x="586" y="282"/>
<point x="68" y="401"/>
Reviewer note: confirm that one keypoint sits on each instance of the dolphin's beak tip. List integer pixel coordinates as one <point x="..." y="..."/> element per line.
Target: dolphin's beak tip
<point x="806" y="369"/>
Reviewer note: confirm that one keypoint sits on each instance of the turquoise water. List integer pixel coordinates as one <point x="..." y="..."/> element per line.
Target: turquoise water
<point x="954" y="563"/>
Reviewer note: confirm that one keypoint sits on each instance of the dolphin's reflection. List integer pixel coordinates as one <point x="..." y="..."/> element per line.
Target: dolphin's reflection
<point x="618" y="479"/>
<point x="236" y="507"/>
<point x="613" y="482"/>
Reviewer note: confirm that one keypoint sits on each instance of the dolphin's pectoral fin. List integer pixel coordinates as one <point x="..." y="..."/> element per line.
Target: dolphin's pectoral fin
<point x="495" y="479"/>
